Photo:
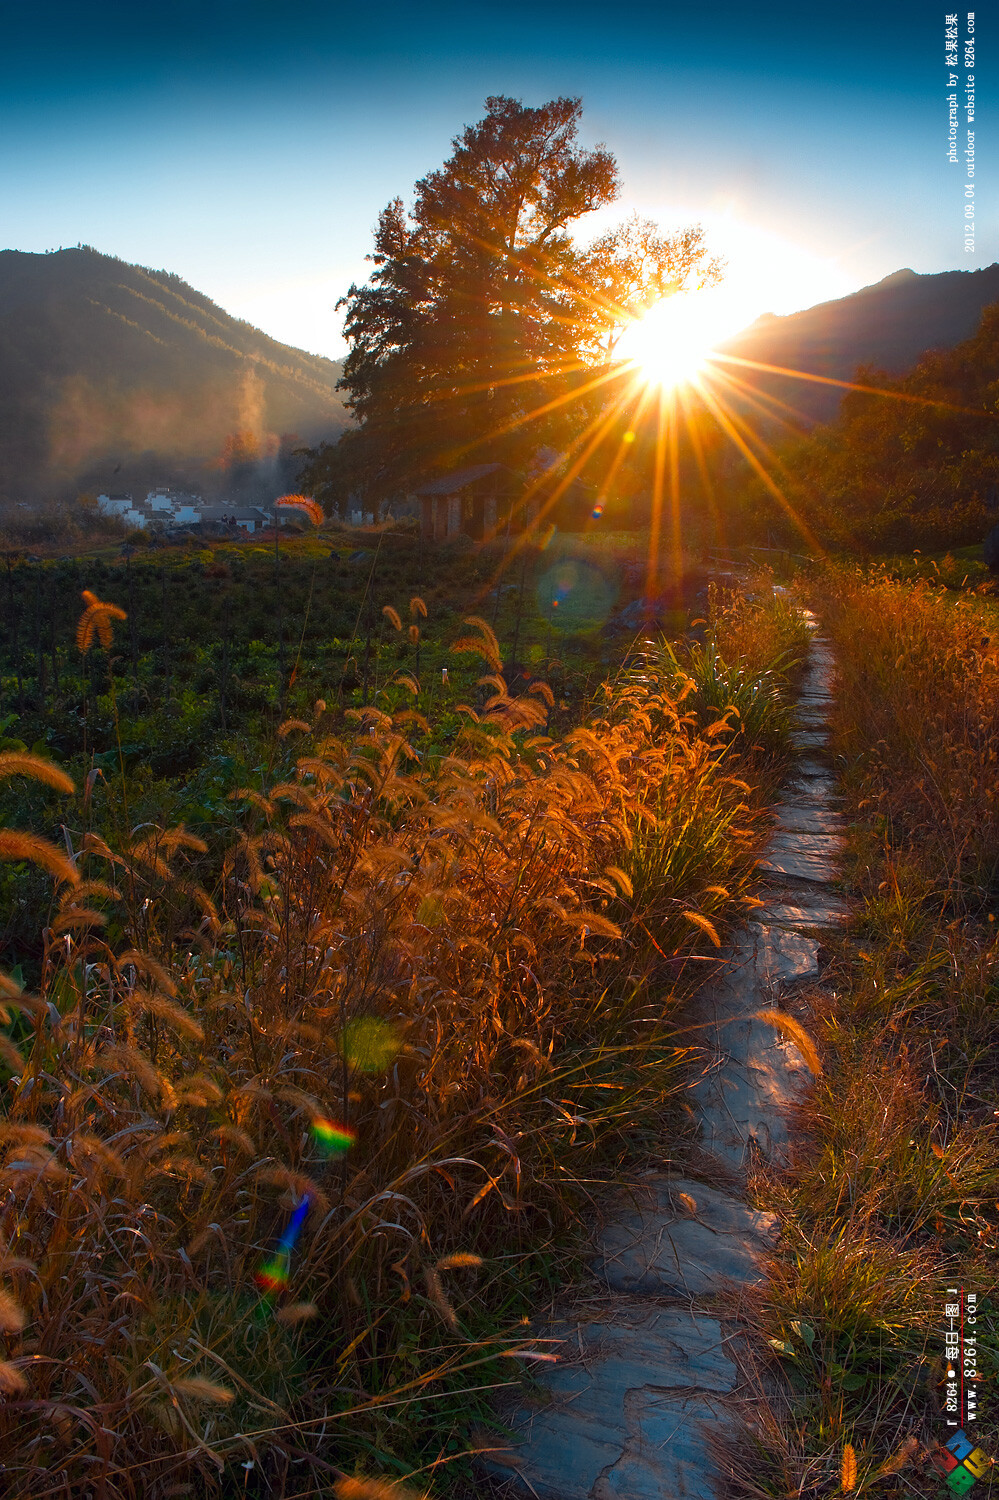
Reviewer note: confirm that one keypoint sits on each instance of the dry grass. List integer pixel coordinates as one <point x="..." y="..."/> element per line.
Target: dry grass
<point x="919" y="722"/>
<point x="893" y="1192"/>
<point x="275" y="1156"/>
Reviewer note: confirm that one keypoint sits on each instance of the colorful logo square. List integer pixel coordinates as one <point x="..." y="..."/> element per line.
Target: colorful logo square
<point x="960" y="1479"/>
<point x="961" y="1463"/>
<point x="977" y="1462"/>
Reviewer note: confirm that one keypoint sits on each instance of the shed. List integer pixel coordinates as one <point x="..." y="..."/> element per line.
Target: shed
<point x="476" y="502"/>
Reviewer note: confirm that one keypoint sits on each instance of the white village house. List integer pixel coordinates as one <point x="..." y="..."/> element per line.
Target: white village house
<point x="167" y="508"/>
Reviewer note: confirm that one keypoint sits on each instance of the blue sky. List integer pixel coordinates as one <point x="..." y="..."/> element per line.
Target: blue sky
<point x="250" y="147"/>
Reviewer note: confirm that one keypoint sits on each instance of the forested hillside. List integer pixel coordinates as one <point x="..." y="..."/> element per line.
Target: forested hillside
<point x="914" y="466"/>
<point x="114" y="375"/>
<point x="888" y="325"/>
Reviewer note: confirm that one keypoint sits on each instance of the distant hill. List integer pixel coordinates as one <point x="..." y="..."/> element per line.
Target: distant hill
<point x="888" y="325"/>
<point x="114" y="375"/>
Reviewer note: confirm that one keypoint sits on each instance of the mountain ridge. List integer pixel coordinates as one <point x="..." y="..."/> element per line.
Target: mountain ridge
<point x="886" y="326"/>
<point x="107" y="368"/>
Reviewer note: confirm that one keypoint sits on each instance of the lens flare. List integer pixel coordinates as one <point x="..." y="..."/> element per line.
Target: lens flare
<point x="370" y="1044"/>
<point x="577" y="592"/>
<point x="332" y="1139"/>
<point x="273" y="1276"/>
<point x="672" y="344"/>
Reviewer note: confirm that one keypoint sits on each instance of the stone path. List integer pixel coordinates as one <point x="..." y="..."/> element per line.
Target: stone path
<point x="639" y="1388"/>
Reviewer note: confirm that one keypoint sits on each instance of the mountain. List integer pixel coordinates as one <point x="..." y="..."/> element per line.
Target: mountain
<point x="112" y="375"/>
<point x="887" y="326"/>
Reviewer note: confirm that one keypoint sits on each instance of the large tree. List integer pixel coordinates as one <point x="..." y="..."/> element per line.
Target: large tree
<point x="482" y="311"/>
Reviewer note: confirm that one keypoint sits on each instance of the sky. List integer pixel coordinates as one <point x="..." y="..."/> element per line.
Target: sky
<point x="250" y="147"/>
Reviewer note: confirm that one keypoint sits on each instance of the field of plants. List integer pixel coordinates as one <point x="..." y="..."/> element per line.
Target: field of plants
<point x="303" y="1099"/>
<point x="219" y="645"/>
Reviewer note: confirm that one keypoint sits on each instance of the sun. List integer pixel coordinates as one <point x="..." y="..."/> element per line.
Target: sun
<point x="672" y="344"/>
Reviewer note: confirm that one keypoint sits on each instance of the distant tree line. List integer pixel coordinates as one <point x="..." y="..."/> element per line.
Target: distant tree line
<point x="908" y="462"/>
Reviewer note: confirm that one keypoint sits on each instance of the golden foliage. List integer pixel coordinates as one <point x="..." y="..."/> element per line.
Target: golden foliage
<point x="29" y="846"/>
<point x="848" y="1469"/>
<point x="796" y="1033"/>
<point x="198" y="1389"/>
<point x="12" y="1381"/>
<point x="705" y="925"/>
<point x="483" y="644"/>
<point x="96" y="622"/>
<point x="372" y="1489"/>
<point x="19" y="763"/>
<point x="11" y="1315"/>
<point x="405" y="1006"/>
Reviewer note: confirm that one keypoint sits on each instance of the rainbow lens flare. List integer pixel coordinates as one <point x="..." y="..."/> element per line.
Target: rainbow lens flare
<point x="274" y="1276"/>
<point x="332" y="1139"/>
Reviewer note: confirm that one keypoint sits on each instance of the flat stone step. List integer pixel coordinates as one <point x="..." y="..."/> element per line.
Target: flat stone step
<point x="818" y="910"/>
<point x="809" y="739"/>
<point x="661" y="1242"/>
<point x="752" y="1076"/>
<point x="795" y="818"/>
<point x="781" y="956"/>
<point x="818" y="792"/>
<point x="806" y="843"/>
<point x="742" y="1108"/>
<point x="797" y="864"/>
<point x="623" y="1410"/>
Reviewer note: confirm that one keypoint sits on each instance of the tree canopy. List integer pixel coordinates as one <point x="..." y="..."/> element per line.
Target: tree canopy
<point x="483" y="314"/>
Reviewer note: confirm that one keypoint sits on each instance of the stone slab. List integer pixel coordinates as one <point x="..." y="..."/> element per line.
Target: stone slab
<point x="792" y="864"/>
<point x="667" y="1454"/>
<point x="812" y="715"/>
<point x="793" y="817"/>
<point x="742" y="1097"/>
<point x="809" y="739"/>
<point x="783" y="956"/>
<point x="815" y="844"/>
<point x="807" y="770"/>
<point x="655" y="1242"/>
<point x="819" y="912"/>
<point x="813" y="791"/>
<point x="621" y="1409"/>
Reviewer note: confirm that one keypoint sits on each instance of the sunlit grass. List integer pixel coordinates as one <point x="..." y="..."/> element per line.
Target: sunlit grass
<point x="292" y="1141"/>
<point x="893" y="1190"/>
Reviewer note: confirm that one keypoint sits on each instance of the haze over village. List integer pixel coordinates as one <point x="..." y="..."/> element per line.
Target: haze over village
<point x="499" y="708"/>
